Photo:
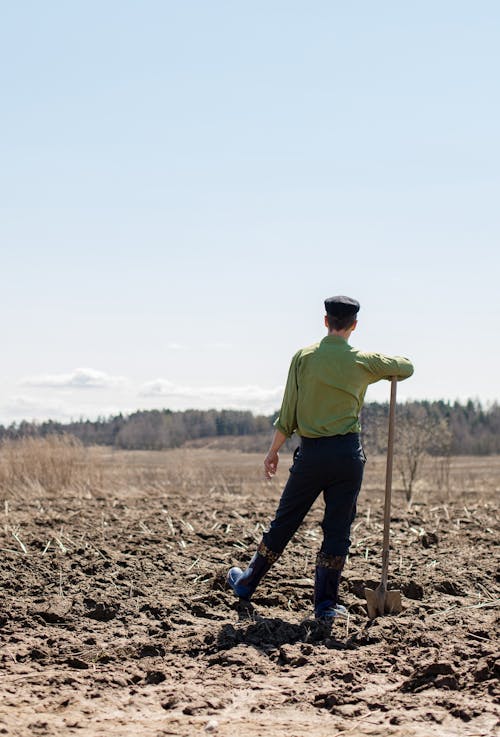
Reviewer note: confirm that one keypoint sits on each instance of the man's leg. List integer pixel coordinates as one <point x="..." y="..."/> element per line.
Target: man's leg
<point x="300" y="492"/>
<point x="340" y="509"/>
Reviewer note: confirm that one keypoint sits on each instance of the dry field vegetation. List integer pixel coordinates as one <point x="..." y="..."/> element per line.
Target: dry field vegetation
<point x="114" y="618"/>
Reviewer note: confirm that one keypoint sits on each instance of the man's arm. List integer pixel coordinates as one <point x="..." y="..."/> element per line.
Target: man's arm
<point x="384" y="367"/>
<point x="286" y="423"/>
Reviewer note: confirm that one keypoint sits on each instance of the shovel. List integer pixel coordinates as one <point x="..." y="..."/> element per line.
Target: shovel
<point x="381" y="601"/>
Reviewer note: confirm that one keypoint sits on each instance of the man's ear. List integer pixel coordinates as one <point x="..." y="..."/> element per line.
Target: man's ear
<point x="326" y="321"/>
<point x="354" y="325"/>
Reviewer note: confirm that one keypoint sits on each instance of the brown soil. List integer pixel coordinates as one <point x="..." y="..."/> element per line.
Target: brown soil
<point x="114" y="619"/>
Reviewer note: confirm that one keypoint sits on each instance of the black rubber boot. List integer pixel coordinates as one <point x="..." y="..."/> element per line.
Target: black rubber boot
<point x="244" y="583"/>
<point x="326" y="586"/>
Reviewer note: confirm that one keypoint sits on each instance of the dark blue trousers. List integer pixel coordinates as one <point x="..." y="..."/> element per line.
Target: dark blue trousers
<point x="332" y="465"/>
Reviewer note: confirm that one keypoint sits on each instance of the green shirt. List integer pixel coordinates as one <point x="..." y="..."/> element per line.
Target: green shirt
<point x="326" y="387"/>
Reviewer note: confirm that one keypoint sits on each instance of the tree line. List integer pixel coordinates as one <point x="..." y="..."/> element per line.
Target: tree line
<point x="470" y="428"/>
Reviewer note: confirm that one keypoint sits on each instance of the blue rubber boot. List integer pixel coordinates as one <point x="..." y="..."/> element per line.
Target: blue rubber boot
<point x="326" y="587"/>
<point x="244" y="583"/>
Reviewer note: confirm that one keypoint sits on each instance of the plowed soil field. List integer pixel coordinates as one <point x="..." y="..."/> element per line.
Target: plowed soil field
<point x="114" y="618"/>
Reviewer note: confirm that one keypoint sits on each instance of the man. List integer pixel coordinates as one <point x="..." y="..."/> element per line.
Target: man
<point x="323" y="397"/>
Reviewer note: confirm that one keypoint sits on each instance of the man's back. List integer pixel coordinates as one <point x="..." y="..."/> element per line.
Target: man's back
<point x="326" y="387"/>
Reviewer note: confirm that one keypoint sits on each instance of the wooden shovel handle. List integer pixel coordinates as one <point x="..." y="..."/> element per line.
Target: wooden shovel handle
<point x="388" y="481"/>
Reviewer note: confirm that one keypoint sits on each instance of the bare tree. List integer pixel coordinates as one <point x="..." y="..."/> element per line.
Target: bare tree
<point x="418" y="434"/>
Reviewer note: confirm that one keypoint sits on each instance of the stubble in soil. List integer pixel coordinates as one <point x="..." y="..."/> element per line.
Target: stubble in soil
<point x="114" y="617"/>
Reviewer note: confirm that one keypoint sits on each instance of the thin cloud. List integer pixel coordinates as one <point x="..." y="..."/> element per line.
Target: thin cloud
<point x="219" y="344"/>
<point x="250" y="396"/>
<point x="27" y="408"/>
<point x="81" y="378"/>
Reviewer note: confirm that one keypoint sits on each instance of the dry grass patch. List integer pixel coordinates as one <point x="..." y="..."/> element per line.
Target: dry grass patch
<point x="52" y="464"/>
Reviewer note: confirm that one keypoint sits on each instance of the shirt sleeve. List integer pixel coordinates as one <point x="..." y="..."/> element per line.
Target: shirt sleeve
<point x="286" y="421"/>
<point x="384" y="367"/>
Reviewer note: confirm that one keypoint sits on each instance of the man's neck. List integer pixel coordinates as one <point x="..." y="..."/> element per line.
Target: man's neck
<point x="345" y="334"/>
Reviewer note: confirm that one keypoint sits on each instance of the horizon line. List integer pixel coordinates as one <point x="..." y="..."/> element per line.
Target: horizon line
<point x="486" y="404"/>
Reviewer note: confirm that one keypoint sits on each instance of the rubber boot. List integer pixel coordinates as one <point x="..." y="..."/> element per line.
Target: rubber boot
<point x="244" y="583"/>
<point x="326" y="587"/>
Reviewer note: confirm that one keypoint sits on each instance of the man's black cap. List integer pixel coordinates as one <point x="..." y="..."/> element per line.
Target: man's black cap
<point x="341" y="306"/>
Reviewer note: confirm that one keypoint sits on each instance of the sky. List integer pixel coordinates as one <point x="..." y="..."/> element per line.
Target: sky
<point x="182" y="184"/>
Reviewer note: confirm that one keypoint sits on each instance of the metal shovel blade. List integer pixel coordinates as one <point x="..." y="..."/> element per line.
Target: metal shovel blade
<point x="379" y="601"/>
